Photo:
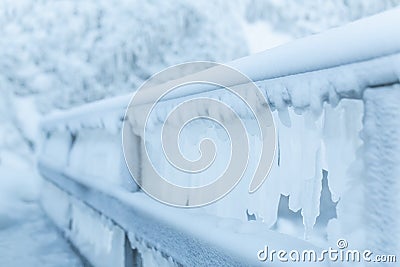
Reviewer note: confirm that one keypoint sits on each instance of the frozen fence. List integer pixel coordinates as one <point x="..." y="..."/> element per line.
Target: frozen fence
<point x="335" y="99"/>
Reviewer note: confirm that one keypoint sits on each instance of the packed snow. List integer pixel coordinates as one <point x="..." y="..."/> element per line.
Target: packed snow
<point x="27" y="237"/>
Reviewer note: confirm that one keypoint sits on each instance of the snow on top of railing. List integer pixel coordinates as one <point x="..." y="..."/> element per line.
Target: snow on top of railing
<point x="328" y="66"/>
<point x="106" y="111"/>
<point x="312" y="89"/>
<point x="101" y="106"/>
<point x="362" y="40"/>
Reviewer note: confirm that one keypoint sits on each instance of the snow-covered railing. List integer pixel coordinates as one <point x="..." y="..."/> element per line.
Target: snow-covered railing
<point x="335" y="98"/>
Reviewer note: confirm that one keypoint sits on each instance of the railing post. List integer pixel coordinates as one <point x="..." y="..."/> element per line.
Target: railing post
<point x="381" y="136"/>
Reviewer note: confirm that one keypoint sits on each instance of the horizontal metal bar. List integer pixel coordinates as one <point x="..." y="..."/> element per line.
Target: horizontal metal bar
<point x="170" y="228"/>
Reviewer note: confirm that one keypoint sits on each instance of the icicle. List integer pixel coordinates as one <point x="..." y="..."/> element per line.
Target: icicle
<point x="340" y="135"/>
<point x="264" y="202"/>
<point x="284" y="116"/>
<point x="311" y="197"/>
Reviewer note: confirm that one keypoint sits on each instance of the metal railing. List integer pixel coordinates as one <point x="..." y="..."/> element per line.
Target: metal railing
<point x="346" y="76"/>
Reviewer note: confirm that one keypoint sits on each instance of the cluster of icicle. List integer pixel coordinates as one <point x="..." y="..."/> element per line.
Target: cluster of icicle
<point x="311" y="137"/>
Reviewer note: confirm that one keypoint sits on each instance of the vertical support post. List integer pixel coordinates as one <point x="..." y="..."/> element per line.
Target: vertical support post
<point x="381" y="135"/>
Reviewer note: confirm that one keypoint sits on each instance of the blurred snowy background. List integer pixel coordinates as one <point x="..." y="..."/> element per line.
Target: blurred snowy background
<point x="59" y="54"/>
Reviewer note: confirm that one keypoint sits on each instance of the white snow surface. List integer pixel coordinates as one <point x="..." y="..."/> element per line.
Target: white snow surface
<point x="356" y="44"/>
<point x="27" y="237"/>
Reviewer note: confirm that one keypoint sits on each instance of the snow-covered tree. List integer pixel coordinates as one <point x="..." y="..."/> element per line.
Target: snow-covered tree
<point x="306" y="17"/>
<point x="70" y="52"/>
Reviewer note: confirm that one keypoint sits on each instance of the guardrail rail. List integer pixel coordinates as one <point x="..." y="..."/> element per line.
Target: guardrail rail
<point x="335" y="98"/>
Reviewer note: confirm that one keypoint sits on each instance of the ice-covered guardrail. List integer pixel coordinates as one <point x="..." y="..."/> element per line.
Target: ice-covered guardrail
<point x="335" y="98"/>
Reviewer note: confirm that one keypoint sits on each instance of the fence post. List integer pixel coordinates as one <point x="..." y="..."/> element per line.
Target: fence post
<point x="381" y="136"/>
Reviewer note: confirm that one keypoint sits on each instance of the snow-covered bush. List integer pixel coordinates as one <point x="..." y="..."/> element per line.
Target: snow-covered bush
<point x="305" y="17"/>
<point x="71" y="52"/>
